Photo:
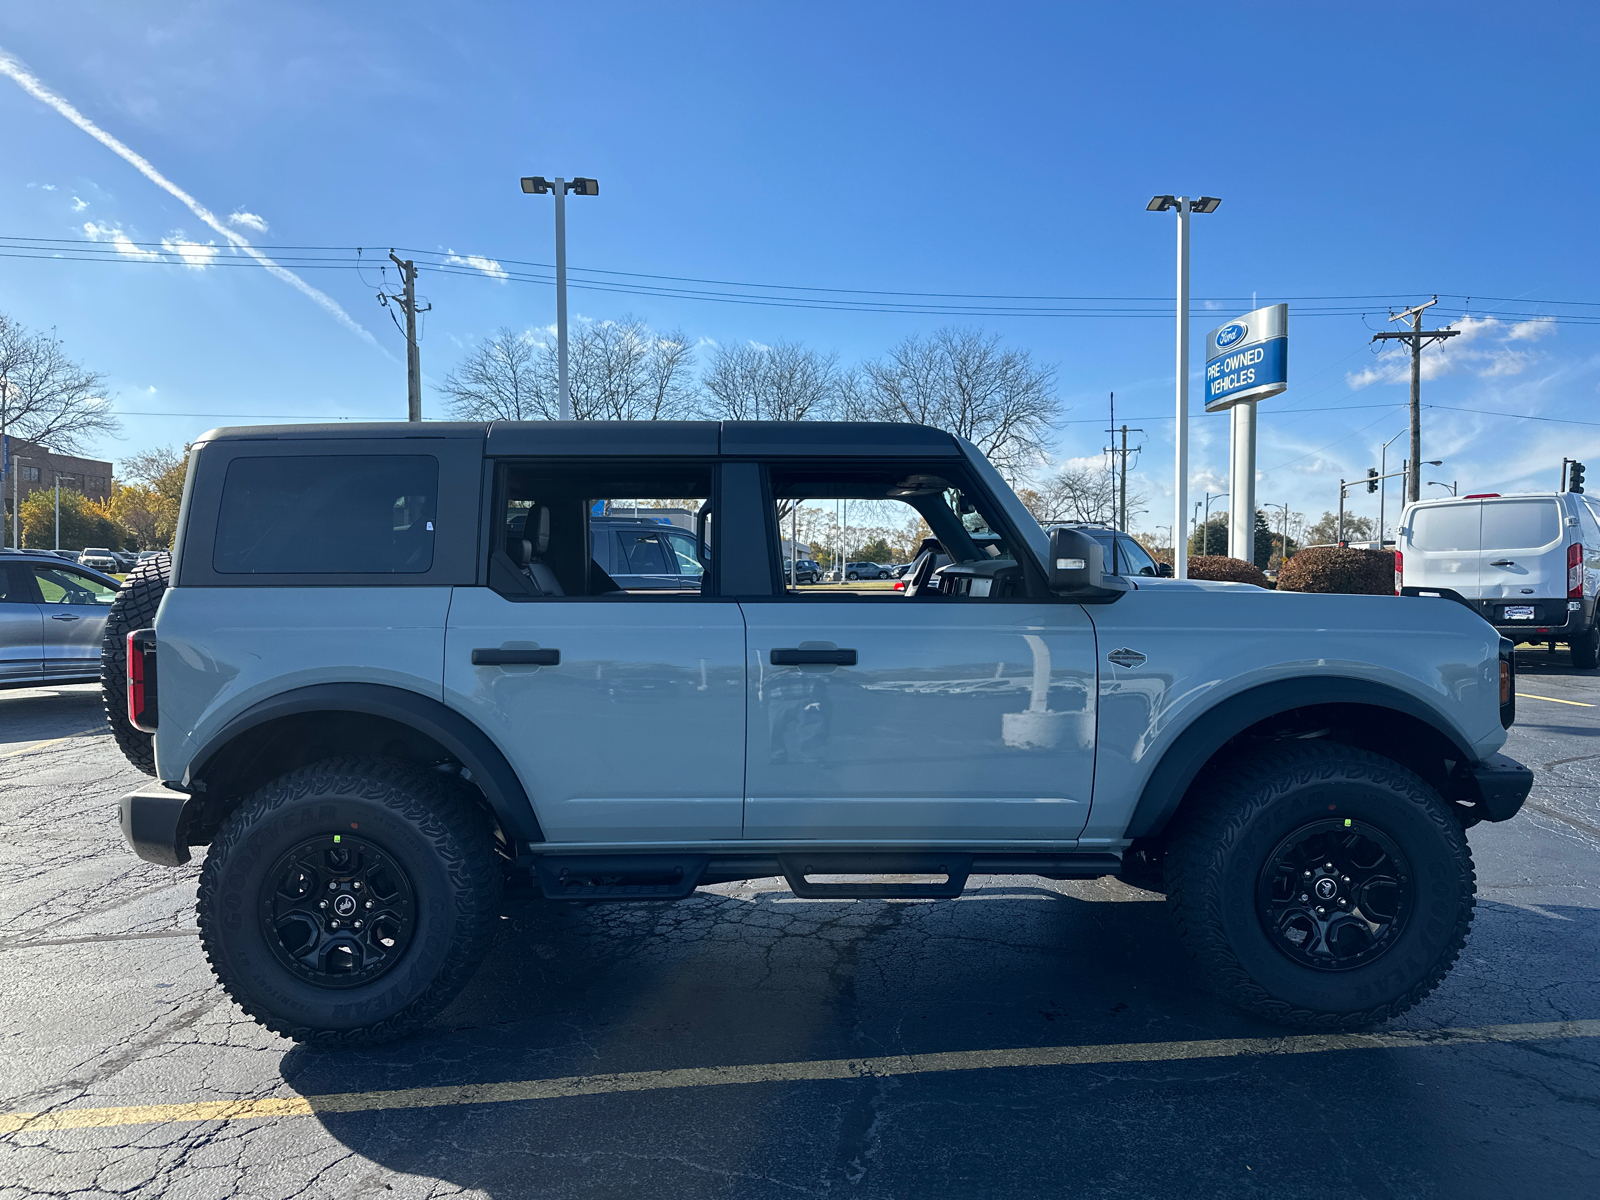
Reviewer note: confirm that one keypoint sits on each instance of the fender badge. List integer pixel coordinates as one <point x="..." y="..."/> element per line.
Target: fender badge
<point x="1123" y="657"/>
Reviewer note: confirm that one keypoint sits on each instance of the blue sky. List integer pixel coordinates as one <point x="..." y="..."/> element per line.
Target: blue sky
<point x="1360" y="151"/>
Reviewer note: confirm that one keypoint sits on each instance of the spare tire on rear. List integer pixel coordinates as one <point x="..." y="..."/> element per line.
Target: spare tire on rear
<point x="134" y="608"/>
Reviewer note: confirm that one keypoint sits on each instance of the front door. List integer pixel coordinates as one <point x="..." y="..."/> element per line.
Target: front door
<point x="916" y="714"/>
<point x="621" y="709"/>
<point x="74" y="609"/>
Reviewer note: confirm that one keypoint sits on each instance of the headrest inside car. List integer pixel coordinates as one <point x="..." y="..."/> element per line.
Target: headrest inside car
<point x="540" y="533"/>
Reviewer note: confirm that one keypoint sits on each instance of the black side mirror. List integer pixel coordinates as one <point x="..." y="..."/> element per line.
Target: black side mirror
<point x="1164" y="570"/>
<point x="1077" y="569"/>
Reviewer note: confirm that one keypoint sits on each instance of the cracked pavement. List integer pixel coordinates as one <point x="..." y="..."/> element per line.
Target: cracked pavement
<point x="108" y="1001"/>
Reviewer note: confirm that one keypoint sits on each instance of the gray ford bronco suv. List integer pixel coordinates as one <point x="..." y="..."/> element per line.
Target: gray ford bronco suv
<point x="383" y="670"/>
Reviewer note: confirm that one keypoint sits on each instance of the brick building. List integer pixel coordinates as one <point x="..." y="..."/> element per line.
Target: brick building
<point x="34" y="468"/>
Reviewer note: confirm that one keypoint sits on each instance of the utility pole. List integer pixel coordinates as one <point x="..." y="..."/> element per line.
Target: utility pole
<point x="1415" y="336"/>
<point x="1120" y="498"/>
<point x="408" y="301"/>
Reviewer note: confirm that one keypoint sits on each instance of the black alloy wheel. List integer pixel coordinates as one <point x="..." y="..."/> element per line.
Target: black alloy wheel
<point x="1319" y="885"/>
<point x="337" y="911"/>
<point x="348" y="901"/>
<point x="1335" y="895"/>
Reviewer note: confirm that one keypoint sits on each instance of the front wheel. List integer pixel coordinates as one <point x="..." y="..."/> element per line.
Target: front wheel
<point x="1586" y="649"/>
<point x="1320" y="886"/>
<point x="852" y="576"/>
<point x="348" y="902"/>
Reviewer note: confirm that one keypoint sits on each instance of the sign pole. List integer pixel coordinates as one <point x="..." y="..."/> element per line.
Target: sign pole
<point x="1242" y="483"/>
<point x="1180" y="548"/>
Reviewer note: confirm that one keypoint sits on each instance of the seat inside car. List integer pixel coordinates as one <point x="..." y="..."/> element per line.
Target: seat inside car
<point x="530" y="550"/>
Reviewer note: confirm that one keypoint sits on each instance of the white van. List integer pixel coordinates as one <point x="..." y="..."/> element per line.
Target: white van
<point x="1528" y="563"/>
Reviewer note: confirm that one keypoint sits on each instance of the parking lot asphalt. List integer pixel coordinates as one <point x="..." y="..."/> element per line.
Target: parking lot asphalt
<point x="1031" y="1039"/>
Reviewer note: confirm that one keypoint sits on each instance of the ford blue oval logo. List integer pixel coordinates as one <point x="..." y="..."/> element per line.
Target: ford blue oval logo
<point x="1229" y="334"/>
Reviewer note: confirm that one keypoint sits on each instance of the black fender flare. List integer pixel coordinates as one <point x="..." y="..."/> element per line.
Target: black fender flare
<point x="462" y="739"/>
<point x="1229" y="717"/>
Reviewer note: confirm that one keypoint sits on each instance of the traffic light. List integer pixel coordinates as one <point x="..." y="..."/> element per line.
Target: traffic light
<point x="1372" y="479"/>
<point x="1575" y="477"/>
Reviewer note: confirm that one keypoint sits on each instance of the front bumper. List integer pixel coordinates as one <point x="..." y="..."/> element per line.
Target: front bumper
<point x="1503" y="784"/>
<point x="155" y="820"/>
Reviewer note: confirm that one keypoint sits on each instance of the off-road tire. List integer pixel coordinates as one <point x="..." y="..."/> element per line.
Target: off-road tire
<point x="134" y="608"/>
<point x="444" y="844"/>
<point x="1586" y="649"/>
<point x="1244" y="808"/>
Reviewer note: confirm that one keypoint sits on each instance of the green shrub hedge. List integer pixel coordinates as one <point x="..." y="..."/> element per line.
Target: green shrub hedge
<point x="1333" y="569"/>
<point x="1226" y="570"/>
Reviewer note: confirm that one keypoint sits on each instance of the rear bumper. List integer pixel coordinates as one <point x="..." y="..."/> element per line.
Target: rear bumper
<point x="1503" y="784"/>
<point x="155" y="820"/>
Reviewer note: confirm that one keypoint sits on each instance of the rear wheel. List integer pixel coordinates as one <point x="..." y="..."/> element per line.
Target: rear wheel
<point x="1585" y="649"/>
<point x="348" y="902"/>
<point x="134" y="608"/>
<point x="1320" y="886"/>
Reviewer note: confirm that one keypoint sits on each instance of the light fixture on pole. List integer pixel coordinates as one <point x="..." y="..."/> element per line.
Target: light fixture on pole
<point x="1383" y="483"/>
<point x="1184" y="206"/>
<point x="1436" y="483"/>
<point x="1283" y="537"/>
<point x="1205" y="544"/>
<point x="538" y="185"/>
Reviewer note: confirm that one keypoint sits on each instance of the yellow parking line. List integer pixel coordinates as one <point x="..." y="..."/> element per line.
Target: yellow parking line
<point x="1553" y="700"/>
<point x="785" y="1072"/>
<point x="51" y="742"/>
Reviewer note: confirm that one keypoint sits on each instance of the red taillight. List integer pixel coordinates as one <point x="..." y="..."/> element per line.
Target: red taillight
<point x="1399" y="571"/>
<point x="900" y="585"/>
<point x="1575" y="571"/>
<point x="142" y="680"/>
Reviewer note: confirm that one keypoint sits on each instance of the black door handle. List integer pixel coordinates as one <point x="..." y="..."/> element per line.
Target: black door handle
<point x="516" y="658"/>
<point x="813" y="658"/>
<point x="1503" y="562"/>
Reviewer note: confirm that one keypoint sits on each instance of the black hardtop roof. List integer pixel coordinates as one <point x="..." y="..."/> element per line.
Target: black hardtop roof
<point x="610" y="439"/>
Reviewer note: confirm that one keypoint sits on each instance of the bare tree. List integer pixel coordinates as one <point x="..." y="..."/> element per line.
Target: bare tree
<point x="624" y="371"/>
<point x="1078" y="493"/>
<point x="618" y="371"/>
<point x="48" y="397"/>
<point x="500" y="379"/>
<point x="961" y="380"/>
<point x="784" y="382"/>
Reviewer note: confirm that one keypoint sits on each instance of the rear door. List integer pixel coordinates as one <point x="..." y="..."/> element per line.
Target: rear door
<point x="74" y="607"/>
<point x="21" y="632"/>
<point x="619" y="700"/>
<point x="1523" y="550"/>
<point x="1442" y="547"/>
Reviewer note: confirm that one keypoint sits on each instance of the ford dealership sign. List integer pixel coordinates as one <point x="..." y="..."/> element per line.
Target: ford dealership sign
<point x="1248" y="358"/>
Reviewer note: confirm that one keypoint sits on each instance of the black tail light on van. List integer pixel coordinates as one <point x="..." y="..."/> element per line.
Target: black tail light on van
<point x="142" y="680"/>
<point x="1575" y="571"/>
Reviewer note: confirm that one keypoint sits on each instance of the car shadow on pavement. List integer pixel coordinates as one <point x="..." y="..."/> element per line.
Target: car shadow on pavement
<point x="35" y="714"/>
<point x="760" y="977"/>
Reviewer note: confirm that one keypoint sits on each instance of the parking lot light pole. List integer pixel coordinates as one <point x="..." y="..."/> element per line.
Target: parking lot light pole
<point x="538" y="185"/>
<point x="1205" y="545"/>
<point x="16" y="503"/>
<point x="1184" y="206"/>
<point x="1451" y="486"/>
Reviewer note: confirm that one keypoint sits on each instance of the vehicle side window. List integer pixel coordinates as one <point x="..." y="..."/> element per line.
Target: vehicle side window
<point x="1134" y="559"/>
<point x="328" y="514"/>
<point x="620" y="531"/>
<point x="62" y="586"/>
<point x="860" y="518"/>
<point x="16" y="584"/>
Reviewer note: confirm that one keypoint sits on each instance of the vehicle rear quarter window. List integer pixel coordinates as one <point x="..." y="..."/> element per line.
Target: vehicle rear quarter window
<point x="1520" y="524"/>
<point x="327" y="515"/>
<point x="1450" y="527"/>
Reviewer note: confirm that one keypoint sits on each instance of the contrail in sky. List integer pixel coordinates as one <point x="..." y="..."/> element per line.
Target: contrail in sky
<point x="30" y="83"/>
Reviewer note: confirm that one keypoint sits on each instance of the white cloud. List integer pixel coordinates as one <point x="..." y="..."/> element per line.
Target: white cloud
<point x="1481" y="347"/>
<point x="49" y="187"/>
<point x="477" y="262"/>
<point x="30" y="83"/>
<point x="247" y="220"/>
<point x="78" y="204"/>
<point x="193" y="254"/>
<point x="121" y="241"/>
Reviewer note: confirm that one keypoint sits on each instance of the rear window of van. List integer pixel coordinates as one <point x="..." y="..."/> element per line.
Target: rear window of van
<point x="1520" y="524"/>
<point x="1451" y="527"/>
<point x="328" y="515"/>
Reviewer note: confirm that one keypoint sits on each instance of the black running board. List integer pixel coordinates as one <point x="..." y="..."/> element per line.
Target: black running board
<point x="624" y="876"/>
